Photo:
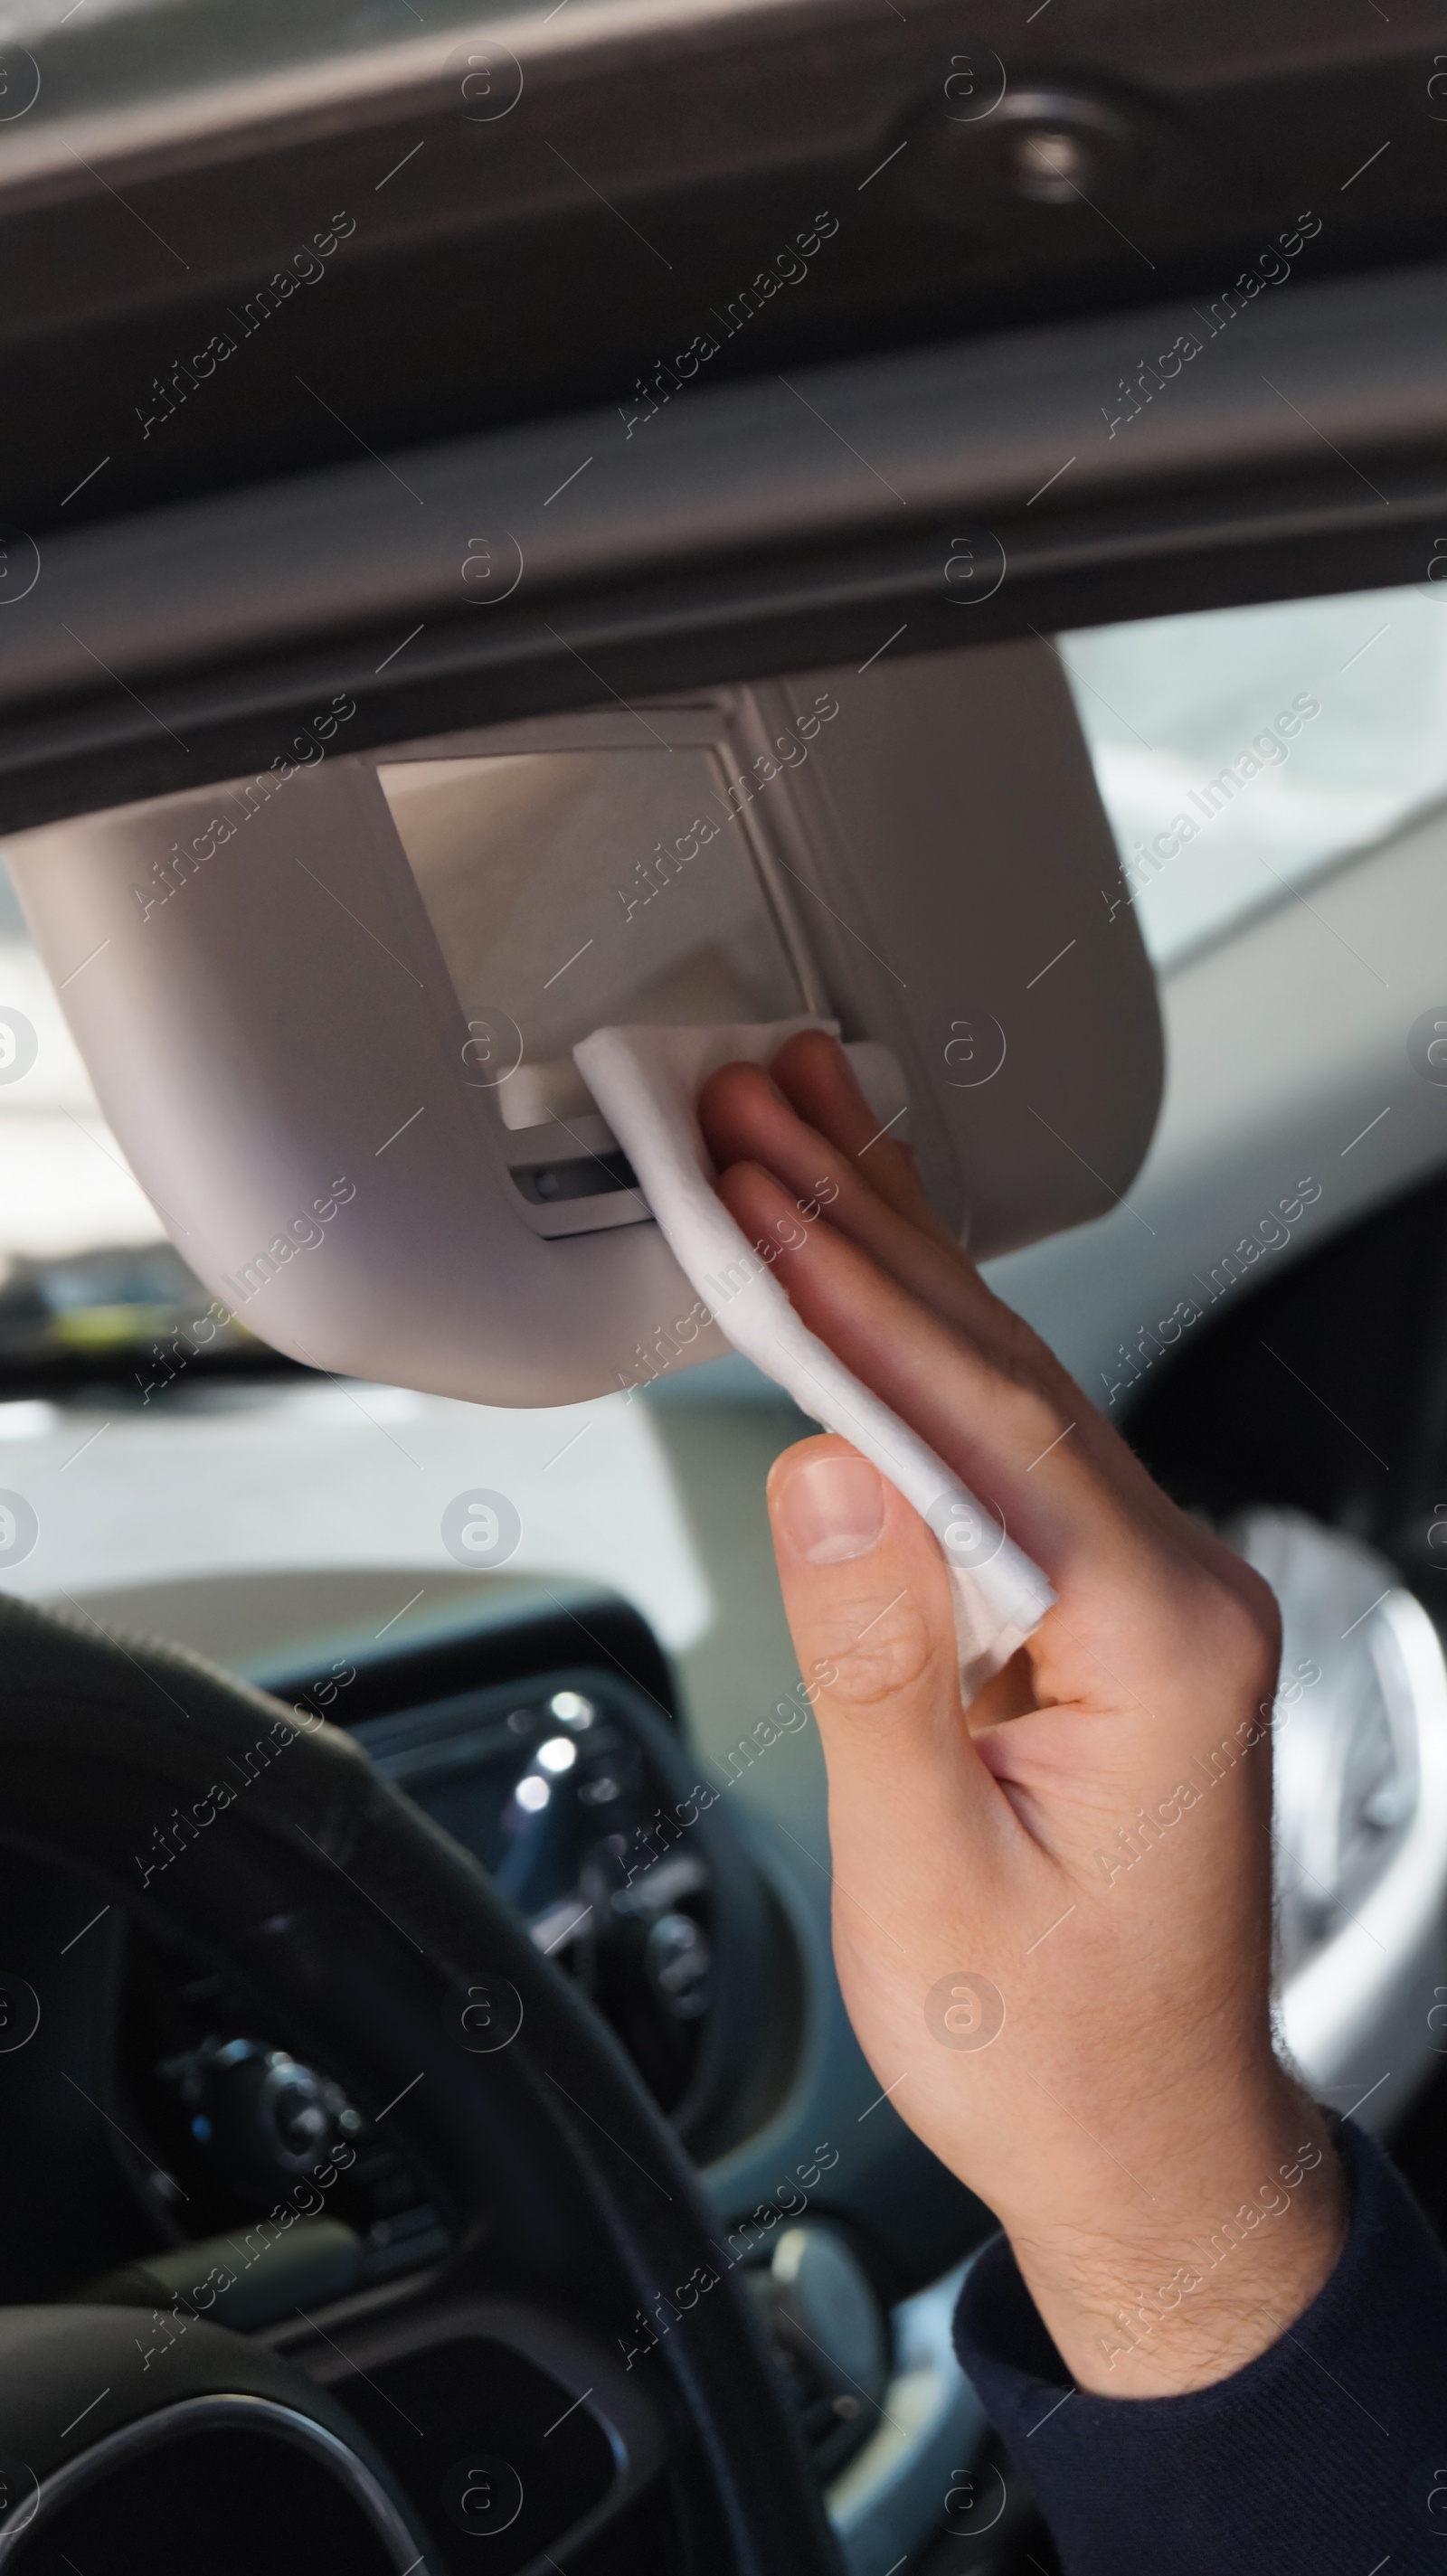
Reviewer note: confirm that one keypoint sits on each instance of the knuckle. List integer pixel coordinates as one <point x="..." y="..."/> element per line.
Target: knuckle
<point x="1020" y="1354"/>
<point x="1237" y="1628"/>
<point x="881" y="1657"/>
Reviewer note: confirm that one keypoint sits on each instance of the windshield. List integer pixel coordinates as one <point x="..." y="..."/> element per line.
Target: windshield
<point x="1281" y="738"/>
<point x="134" y="64"/>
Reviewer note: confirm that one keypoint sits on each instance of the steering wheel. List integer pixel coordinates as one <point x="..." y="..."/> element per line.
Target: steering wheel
<point x="380" y="1948"/>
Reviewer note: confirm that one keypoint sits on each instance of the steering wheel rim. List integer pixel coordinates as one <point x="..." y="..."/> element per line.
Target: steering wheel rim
<point x="367" y="1931"/>
<point x="50" y="2358"/>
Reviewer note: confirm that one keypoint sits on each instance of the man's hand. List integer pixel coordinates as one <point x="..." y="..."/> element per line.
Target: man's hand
<point x="1052" y="1911"/>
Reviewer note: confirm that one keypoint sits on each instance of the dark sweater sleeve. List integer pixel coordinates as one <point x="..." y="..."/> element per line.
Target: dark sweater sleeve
<point x="1326" y="2453"/>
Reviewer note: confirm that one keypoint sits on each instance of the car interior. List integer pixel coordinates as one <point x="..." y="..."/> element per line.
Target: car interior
<point x="970" y="486"/>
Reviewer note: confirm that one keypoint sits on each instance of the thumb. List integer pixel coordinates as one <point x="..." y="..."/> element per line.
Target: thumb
<point x="868" y="1600"/>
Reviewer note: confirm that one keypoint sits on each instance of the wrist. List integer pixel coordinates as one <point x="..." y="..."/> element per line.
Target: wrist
<point x="1184" y="2292"/>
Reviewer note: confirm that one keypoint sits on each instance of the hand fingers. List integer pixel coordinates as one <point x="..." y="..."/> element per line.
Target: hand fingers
<point x="1128" y="1567"/>
<point x="994" y="1427"/>
<point x="747" y="1119"/>
<point x="819" y="1082"/>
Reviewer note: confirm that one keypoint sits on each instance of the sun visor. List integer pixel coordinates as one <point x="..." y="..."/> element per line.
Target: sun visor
<point x="329" y="1011"/>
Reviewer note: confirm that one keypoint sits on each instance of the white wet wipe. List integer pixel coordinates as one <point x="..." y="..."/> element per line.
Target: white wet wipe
<point x="646" y="1082"/>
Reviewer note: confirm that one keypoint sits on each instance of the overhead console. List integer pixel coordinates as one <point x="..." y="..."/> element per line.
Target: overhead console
<point x="330" y="1009"/>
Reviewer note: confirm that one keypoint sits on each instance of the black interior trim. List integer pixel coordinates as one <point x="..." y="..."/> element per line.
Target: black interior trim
<point x="1324" y="1390"/>
<point x="529" y="254"/>
<point x="583" y="1626"/>
<point x="1302" y="451"/>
